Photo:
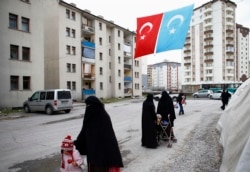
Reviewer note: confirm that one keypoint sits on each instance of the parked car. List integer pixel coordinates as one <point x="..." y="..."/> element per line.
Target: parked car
<point x="49" y="101"/>
<point x="217" y="94"/>
<point x="202" y="93"/>
<point x="173" y="96"/>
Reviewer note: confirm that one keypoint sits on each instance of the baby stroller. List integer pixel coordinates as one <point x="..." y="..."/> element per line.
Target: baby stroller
<point x="164" y="131"/>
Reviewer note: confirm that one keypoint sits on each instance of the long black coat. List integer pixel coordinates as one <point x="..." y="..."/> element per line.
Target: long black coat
<point x="149" y="123"/>
<point x="165" y="107"/>
<point x="97" y="139"/>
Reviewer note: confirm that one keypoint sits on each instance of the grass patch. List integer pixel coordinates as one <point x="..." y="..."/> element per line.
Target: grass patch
<point x="113" y="100"/>
<point x="7" y="111"/>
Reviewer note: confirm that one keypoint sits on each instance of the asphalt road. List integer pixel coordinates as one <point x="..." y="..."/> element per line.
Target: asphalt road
<point x="32" y="142"/>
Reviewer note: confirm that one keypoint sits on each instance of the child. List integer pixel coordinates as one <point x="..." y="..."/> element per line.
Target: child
<point x="71" y="158"/>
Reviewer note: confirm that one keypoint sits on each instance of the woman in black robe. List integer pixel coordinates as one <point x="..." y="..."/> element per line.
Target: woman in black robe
<point x="166" y="107"/>
<point x="149" y="133"/>
<point x="97" y="139"/>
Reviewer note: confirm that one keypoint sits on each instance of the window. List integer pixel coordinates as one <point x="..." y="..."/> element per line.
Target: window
<point x="74" y="50"/>
<point x="73" y="15"/>
<point x="100" y="70"/>
<point x="13" y="21"/>
<point x="42" y="95"/>
<point x="67" y="13"/>
<point x="119" y="86"/>
<point x="119" y="46"/>
<point x="73" y="33"/>
<point x="68" y="67"/>
<point x="50" y="95"/>
<point x="68" y="85"/>
<point x="100" y="41"/>
<point x="74" y="68"/>
<point x="119" y="59"/>
<point x="25" y="24"/>
<point x="100" y="56"/>
<point x="101" y="86"/>
<point x="14" y="80"/>
<point x="67" y="31"/>
<point x="26" y="54"/>
<point x="110" y="79"/>
<point x="100" y="26"/>
<point x="68" y="49"/>
<point x="73" y="85"/>
<point x="119" y="33"/>
<point x="14" y="52"/>
<point x="26" y="83"/>
<point x="119" y="72"/>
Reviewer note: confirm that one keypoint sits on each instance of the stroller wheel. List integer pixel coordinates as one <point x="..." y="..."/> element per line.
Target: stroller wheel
<point x="169" y="145"/>
<point x="174" y="140"/>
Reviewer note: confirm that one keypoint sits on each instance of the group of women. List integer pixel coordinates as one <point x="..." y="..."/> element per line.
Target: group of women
<point x="165" y="108"/>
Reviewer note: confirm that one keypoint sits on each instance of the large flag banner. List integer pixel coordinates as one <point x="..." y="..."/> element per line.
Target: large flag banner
<point x="162" y="32"/>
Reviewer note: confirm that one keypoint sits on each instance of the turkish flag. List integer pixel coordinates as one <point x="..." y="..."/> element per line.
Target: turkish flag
<point x="146" y="34"/>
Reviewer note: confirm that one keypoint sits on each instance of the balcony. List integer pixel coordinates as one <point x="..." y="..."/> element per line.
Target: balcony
<point x="187" y="51"/>
<point x="208" y="53"/>
<point x="230" y="53"/>
<point x="88" y="76"/>
<point x="127" y="66"/>
<point x="208" y="38"/>
<point x="127" y="79"/>
<point x="187" y="44"/>
<point x="208" y="60"/>
<point x="229" y="31"/>
<point x="209" y="46"/>
<point x="88" y="92"/>
<point x="88" y="30"/>
<point x="208" y="31"/>
<point x="127" y="55"/>
<point x="187" y="57"/>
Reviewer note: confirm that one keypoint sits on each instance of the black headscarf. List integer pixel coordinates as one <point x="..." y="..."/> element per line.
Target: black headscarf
<point x="165" y="107"/>
<point x="97" y="139"/>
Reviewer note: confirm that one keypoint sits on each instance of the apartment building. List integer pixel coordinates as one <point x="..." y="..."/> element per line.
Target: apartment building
<point x="242" y="52"/>
<point x="52" y="44"/>
<point x="21" y="49"/>
<point x="108" y="67"/>
<point x="210" y="51"/>
<point x="62" y="47"/>
<point x="166" y="76"/>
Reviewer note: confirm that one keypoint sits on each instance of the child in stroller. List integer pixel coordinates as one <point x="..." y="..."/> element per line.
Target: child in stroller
<point x="164" y="130"/>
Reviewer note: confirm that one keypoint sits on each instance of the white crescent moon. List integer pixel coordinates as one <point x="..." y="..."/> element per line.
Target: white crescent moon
<point x="150" y="25"/>
<point x="180" y="17"/>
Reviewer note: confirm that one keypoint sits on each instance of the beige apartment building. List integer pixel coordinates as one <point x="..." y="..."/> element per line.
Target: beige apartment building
<point x="22" y="50"/>
<point x="211" y="54"/>
<point x="52" y="44"/>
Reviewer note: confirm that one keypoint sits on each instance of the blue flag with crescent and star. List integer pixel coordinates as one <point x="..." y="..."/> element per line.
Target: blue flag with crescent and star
<point x="174" y="28"/>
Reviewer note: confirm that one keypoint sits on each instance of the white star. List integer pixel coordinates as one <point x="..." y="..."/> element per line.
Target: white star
<point x="142" y="37"/>
<point x="172" y="31"/>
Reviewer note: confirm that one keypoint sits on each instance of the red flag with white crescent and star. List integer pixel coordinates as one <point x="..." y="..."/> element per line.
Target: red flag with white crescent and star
<point x="146" y="34"/>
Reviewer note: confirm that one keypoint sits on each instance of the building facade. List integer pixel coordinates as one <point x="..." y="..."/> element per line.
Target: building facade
<point x="166" y="76"/>
<point x="22" y="51"/>
<point x="52" y="44"/>
<point x="210" y="51"/>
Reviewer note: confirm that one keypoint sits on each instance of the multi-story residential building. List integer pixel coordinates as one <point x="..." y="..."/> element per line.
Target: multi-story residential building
<point x="209" y="54"/>
<point x="166" y="76"/>
<point x="62" y="50"/>
<point x="52" y="44"/>
<point x="149" y="76"/>
<point x="109" y="69"/>
<point x="22" y="51"/>
<point x="242" y="52"/>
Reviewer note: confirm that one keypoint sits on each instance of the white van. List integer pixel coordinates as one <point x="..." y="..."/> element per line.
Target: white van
<point x="49" y="101"/>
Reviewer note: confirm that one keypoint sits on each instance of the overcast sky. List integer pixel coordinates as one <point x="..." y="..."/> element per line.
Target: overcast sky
<point x="125" y="12"/>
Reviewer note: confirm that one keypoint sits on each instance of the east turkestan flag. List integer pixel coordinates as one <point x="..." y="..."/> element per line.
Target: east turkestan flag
<point x="162" y="32"/>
